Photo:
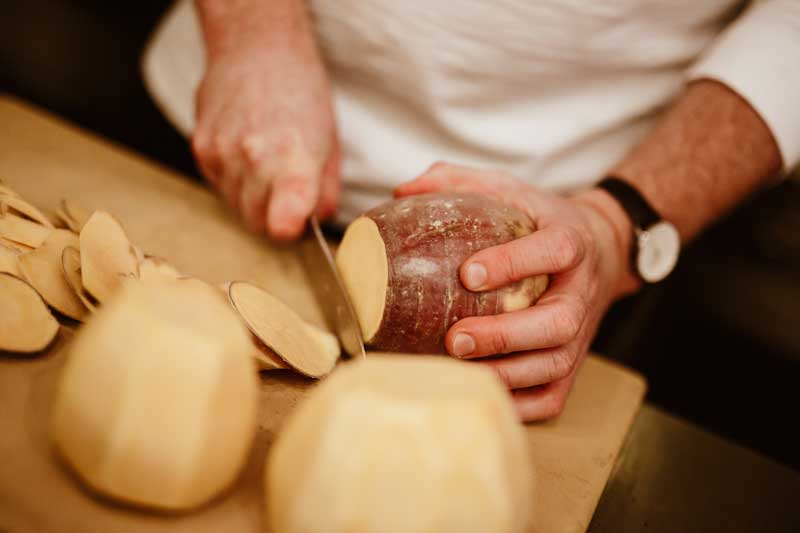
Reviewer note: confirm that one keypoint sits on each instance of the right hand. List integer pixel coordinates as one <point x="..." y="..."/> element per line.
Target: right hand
<point x="266" y="135"/>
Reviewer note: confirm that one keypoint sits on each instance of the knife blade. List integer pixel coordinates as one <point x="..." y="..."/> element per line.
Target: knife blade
<point x="330" y="292"/>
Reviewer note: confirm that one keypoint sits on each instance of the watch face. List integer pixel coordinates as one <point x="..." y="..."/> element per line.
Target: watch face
<point x="659" y="247"/>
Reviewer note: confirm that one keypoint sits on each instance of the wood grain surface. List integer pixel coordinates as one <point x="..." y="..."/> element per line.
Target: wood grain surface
<point x="171" y="216"/>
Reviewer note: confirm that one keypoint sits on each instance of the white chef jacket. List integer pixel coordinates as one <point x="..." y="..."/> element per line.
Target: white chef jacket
<point x="552" y="91"/>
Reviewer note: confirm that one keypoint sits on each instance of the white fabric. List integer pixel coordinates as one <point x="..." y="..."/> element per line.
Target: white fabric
<point x="553" y="91"/>
<point x="173" y="65"/>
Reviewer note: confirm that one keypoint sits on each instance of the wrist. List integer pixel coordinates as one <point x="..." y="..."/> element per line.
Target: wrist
<point x="620" y="229"/>
<point x="232" y="27"/>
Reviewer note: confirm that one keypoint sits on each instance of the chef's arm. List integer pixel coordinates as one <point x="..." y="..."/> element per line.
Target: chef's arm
<point x="266" y="132"/>
<point x="719" y="141"/>
<point x="709" y="152"/>
<point x="735" y="127"/>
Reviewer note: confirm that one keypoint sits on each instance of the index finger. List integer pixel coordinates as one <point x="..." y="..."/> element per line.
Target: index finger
<point x="550" y="250"/>
<point x="293" y="198"/>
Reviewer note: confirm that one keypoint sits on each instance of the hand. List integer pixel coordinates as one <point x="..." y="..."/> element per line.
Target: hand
<point x="266" y="137"/>
<point x="581" y="242"/>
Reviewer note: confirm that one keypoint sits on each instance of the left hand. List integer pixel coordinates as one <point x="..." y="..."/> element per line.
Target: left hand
<point x="582" y="242"/>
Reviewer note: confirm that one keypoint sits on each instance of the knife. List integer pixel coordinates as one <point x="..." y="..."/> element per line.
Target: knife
<point x="330" y="292"/>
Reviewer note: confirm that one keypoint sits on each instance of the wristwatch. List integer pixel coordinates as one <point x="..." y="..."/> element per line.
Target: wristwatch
<point x="656" y="242"/>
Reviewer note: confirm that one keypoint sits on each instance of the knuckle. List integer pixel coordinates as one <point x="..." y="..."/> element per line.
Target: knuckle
<point x="287" y="145"/>
<point x="218" y="145"/>
<point x="565" y="323"/>
<point x="559" y="365"/>
<point x="501" y="339"/>
<point x="503" y="374"/>
<point x="201" y="145"/>
<point x="580" y="310"/>
<point x="567" y="247"/>
<point x="301" y="186"/>
<point x="439" y="166"/>
<point x="554" y="406"/>
<point x="508" y="264"/>
<point x="252" y="146"/>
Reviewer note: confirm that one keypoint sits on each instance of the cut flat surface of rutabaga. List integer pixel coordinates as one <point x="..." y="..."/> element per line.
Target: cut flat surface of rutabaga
<point x="26" y="324"/>
<point x="362" y="262"/>
<point x="308" y="349"/>
<point x="23" y="231"/>
<point x="107" y="256"/>
<point x="400" y="264"/>
<point x="156" y="404"/>
<point x="71" y="269"/>
<point x="402" y="443"/>
<point x="42" y="268"/>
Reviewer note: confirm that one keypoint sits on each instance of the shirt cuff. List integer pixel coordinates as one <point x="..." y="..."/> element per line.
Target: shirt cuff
<point x="757" y="56"/>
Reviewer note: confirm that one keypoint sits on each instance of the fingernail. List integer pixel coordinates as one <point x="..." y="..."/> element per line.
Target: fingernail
<point x="463" y="344"/>
<point x="476" y="276"/>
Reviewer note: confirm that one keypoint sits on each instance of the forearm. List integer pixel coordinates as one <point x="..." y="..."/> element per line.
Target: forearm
<point x="229" y="25"/>
<point x="709" y="152"/>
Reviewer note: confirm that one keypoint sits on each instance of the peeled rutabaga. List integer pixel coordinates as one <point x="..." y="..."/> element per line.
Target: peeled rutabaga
<point x="401" y="444"/>
<point x="400" y="264"/>
<point x="157" y="401"/>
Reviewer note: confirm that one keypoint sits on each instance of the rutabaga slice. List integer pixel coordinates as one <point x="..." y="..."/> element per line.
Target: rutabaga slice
<point x="157" y="401"/>
<point x="74" y="215"/>
<point x="107" y="256"/>
<point x="265" y="357"/>
<point x="153" y="268"/>
<point x="26" y="324"/>
<point x="8" y="261"/>
<point x="23" y="231"/>
<point x="412" y="444"/>
<point x="63" y="221"/>
<point x="305" y="348"/>
<point x="15" y="203"/>
<point x="71" y="269"/>
<point x="19" y="248"/>
<point x="6" y="190"/>
<point x="42" y="268"/>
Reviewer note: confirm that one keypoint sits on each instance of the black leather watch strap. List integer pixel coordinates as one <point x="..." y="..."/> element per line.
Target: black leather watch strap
<point x="642" y="214"/>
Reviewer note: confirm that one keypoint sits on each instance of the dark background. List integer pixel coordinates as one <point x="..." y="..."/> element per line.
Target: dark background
<point x="719" y="341"/>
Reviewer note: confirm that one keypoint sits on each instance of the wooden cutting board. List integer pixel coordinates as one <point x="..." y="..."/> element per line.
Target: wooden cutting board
<point x="171" y="216"/>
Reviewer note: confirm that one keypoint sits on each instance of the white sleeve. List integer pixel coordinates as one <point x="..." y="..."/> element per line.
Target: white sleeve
<point x="758" y="56"/>
<point x="174" y="63"/>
